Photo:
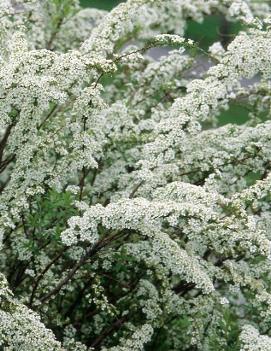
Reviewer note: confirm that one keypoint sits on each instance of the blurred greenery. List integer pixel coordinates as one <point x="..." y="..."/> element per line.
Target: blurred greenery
<point x="213" y="28"/>
<point x="100" y="4"/>
<point x="235" y="114"/>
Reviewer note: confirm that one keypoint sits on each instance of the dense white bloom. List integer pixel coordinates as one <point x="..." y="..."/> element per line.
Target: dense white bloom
<point x="20" y="328"/>
<point x="253" y="341"/>
<point x="131" y="217"/>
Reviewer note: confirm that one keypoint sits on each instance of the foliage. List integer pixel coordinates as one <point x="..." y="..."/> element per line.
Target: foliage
<point x="133" y="215"/>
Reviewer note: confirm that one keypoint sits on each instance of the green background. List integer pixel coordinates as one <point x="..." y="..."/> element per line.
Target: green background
<point x="101" y="4"/>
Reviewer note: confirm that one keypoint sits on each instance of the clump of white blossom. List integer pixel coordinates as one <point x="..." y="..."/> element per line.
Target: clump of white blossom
<point x="131" y="217"/>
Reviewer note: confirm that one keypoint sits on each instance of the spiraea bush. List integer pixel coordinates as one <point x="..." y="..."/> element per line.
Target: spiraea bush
<point x="131" y="218"/>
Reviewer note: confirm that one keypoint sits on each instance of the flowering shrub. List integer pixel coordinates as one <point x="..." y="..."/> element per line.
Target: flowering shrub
<point x="130" y="217"/>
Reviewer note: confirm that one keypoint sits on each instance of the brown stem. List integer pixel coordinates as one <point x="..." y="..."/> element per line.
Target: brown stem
<point x="4" y="140"/>
<point x="135" y="189"/>
<point x="6" y="162"/>
<point x="39" y="278"/>
<point x="183" y="287"/>
<point x="84" y="170"/>
<point x="90" y="252"/>
<point x="78" y="299"/>
<point x="50" y="114"/>
<point x="113" y="327"/>
<point x="54" y="34"/>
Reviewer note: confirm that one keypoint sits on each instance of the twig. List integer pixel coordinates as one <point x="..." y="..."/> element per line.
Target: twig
<point x="90" y="252"/>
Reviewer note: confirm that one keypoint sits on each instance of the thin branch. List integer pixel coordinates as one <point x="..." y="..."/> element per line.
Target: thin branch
<point x="50" y="114"/>
<point x="39" y="278"/>
<point x="6" y="162"/>
<point x="4" y="140"/>
<point x="113" y="327"/>
<point x="79" y="298"/>
<point x="132" y="194"/>
<point x="90" y="252"/>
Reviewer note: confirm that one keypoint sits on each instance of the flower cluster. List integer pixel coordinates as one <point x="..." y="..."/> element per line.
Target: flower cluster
<point x="132" y="216"/>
